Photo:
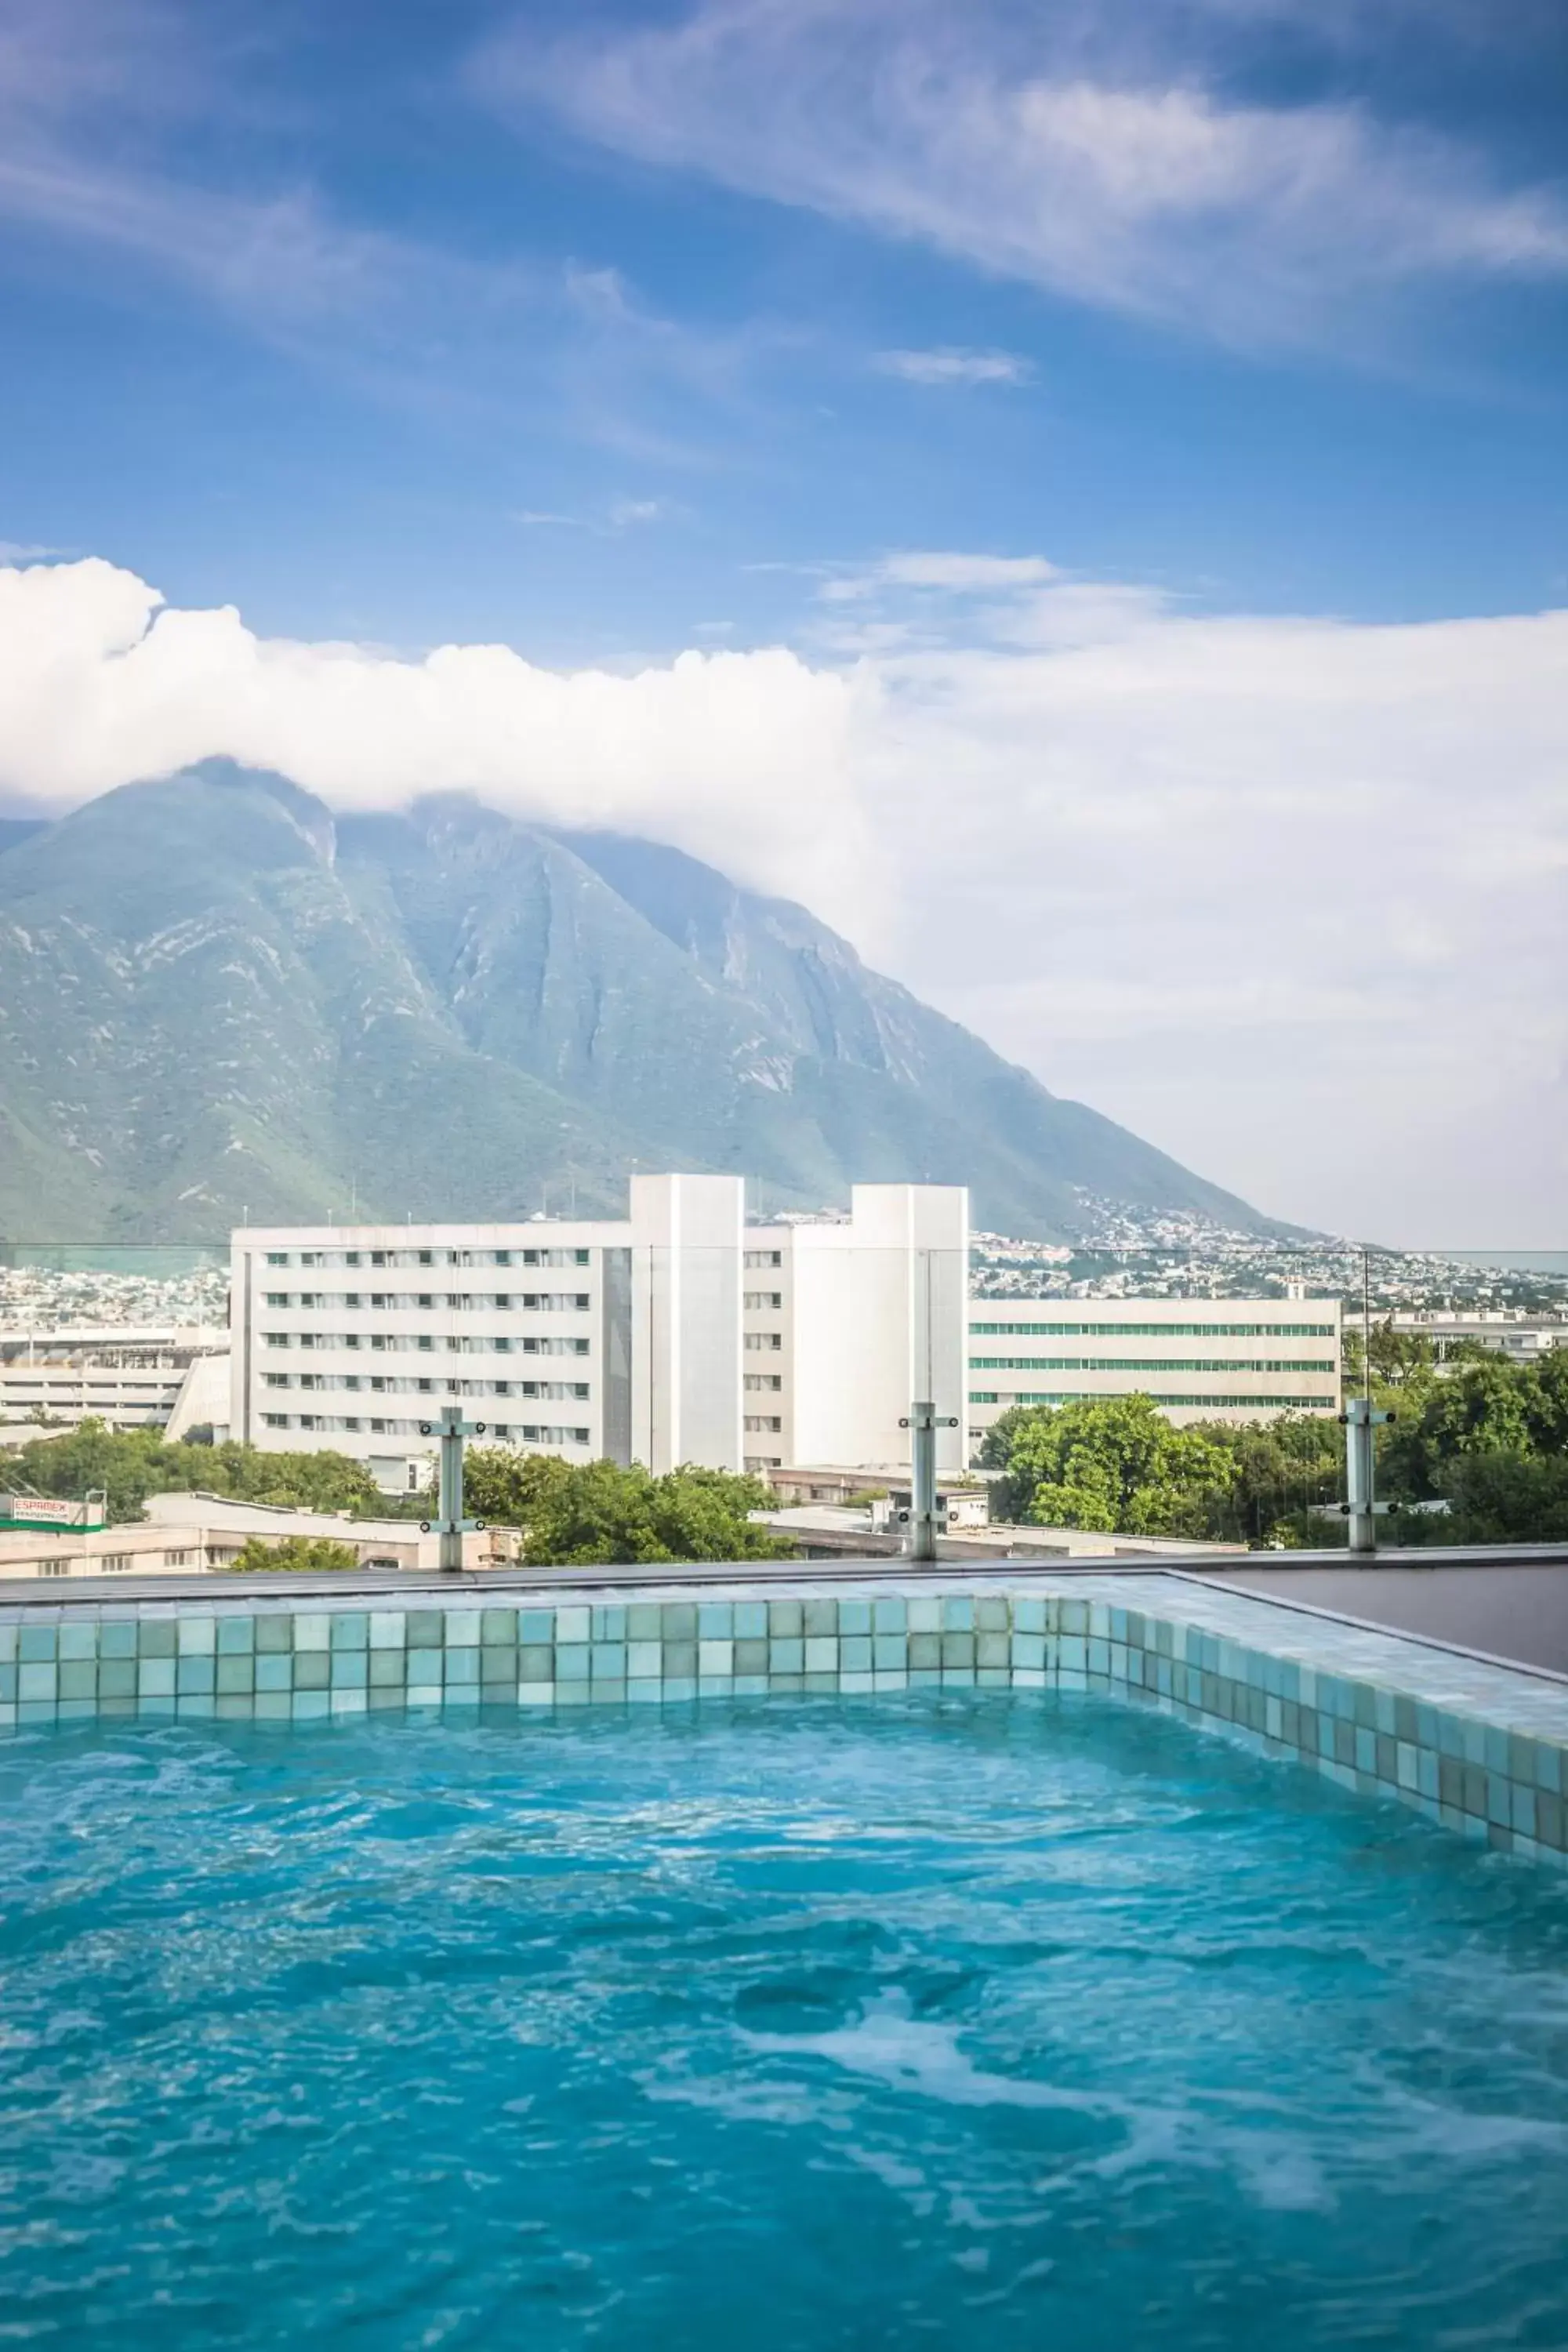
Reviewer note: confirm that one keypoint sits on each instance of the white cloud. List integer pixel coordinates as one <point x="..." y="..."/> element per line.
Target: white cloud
<point x="944" y="569"/>
<point x="1098" y="168"/>
<point x="953" y="363"/>
<point x="626" y="514"/>
<point x="1288" y="895"/>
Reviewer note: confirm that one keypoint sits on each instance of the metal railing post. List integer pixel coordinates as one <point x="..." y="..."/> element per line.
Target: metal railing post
<point x="925" y="1515"/>
<point x="450" y="1525"/>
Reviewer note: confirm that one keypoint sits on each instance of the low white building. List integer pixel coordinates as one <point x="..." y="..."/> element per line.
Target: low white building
<point x="1229" y="1360"/>
<point x="1520" y="1336"/>
<point x="131" y="1377"/>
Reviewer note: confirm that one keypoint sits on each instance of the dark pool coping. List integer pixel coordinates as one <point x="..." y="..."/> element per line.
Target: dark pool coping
<point x="58" y="1592"/>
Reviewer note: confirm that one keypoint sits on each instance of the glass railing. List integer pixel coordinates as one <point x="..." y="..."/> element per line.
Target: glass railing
<point x="1168" y="1393"/>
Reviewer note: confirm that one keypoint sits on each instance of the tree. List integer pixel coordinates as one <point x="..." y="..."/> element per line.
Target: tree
<point x="1507" y="1498"/>
<point x="595" y="1513"/>
<point x="1489" y="1406"/>
<point x="130" y="1464"/>
<point x="299" y="1555"/>
<point x="1112" y="1462"/>
<point x="1283" y="1466"/>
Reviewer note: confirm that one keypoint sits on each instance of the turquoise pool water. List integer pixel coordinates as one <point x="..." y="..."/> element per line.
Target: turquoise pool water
<point x="969" y="2019"/>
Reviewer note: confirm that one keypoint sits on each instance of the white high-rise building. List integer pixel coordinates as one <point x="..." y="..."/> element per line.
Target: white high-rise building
<point x="679" y="1334"/>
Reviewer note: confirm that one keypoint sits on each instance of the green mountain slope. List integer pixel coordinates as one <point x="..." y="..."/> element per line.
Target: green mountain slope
<point x="215" y="999"/>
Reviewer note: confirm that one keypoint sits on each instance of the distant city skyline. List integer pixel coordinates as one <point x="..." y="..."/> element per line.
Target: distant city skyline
<point x="1074" y="495"/>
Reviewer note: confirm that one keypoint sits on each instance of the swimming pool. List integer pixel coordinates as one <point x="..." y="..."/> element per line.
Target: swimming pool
<point x="966" y="2017"/>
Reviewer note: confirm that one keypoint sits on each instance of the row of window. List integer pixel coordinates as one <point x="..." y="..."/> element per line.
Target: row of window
<point x="424" y="1343"/>
<point x="1324" y="1364"/>
<point x="512" y="1433"/>
<point x="1160" y="1396"/>
<point x="1038" y="1330"/>
<point x="322" y="1257"/>
<point x="377" y="1387"/>
<point x="523" y="1302"/>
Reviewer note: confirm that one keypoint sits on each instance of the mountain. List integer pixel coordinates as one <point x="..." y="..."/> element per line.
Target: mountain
<point x="216" y="998"/>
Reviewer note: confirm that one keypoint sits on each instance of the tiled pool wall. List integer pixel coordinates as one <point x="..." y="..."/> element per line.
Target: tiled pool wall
<point x="1473" y="1745"/>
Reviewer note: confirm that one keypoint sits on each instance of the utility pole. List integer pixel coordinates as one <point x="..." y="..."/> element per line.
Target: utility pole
<point x="450" y="1524"/>
<point x="925" y="1516"/>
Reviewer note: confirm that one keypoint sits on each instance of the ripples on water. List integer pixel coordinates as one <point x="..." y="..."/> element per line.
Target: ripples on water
<point x="975" y="2019"/>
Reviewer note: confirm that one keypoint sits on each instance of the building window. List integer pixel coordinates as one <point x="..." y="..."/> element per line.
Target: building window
<point x="760" y="1302"/>
<point x="761" y="1464"/>
<point x="176" y="1559"/>
<point x="503" y="1298"/>
<point x="759" y="1258"/>
<point x="276" y="1420"/>
<point x="277" y="1298"/>
<point x="275" y="1338"/>
<point x="427" y="1257"/>
<point x="116" y="1562"/>
<point x="758" y="1382"/>
<point x="350" y="1298"/>
<point x="378" y="1257"/>
<point x="378" y="1426"/>
<point x="766" y="1423"/>
<point x="500" y="1258"/>
<point x="424" y="1342"/>
<point x="764" y="1341"/>
<point x="351" y="1257"/>
<point x="350" y="1424"/>
<point x="276" y="1257"/>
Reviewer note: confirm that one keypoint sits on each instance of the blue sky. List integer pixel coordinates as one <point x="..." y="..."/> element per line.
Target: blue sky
<point x="612" y="334"/>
